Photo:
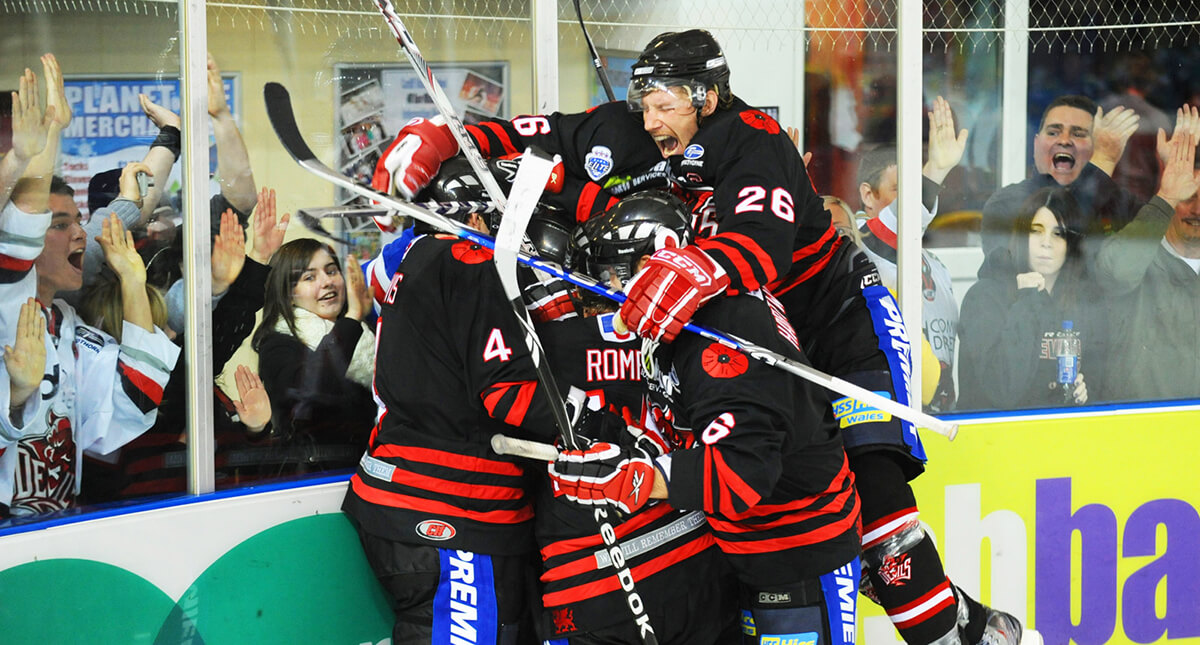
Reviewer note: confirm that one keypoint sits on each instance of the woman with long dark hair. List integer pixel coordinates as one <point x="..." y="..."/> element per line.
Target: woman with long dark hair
<point x="316" y="357"/>
<point x="1012" y="326"/>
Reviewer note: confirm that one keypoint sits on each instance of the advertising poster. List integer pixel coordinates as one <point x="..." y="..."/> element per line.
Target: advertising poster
<point x="375" y="101"/>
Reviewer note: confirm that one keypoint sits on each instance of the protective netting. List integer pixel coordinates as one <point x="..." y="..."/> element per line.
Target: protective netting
<point x="462" y="20"/>
<point x="1082" y="26"/>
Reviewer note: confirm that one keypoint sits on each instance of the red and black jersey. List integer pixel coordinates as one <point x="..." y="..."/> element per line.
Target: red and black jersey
<point x="601" y="150"/>
<point x="753" y="203"/>
<point x="577" y="580"/>
<point x="451" y="370"/>
<point x="767" y="468"/>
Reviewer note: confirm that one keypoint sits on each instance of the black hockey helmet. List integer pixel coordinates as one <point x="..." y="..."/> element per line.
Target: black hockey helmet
<point x="456" y="181"/>
<point x="638" y="225"/>
<point x="550" y="236"/>
<point x="690" y="59"/>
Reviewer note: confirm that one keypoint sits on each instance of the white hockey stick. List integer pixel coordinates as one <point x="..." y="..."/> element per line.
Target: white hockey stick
<point x="279" y="111"/>
<point x="465" y="143"/>
<point x="506" y="445"/>
<point x="527" y="187"/>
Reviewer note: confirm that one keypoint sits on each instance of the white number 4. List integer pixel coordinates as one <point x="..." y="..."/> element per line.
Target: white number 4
<point x="496" y="347"/>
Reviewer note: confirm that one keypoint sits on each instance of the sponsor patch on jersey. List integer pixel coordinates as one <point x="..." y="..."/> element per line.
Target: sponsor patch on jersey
<point x="435" y="530"/>
<point x="598" y="162"/>
<point x="804" y="638"/>
<point x="748" y="627"/>
<point x="850" y="412"/>
<point x="89" y="339"/>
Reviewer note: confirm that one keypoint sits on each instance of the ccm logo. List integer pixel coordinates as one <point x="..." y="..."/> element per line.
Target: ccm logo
<point x="435" y="530"/>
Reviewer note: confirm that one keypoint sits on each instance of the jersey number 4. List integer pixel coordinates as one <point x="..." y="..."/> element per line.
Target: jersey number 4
<point x="752" y="201"/>
<point x="496" y="348"/>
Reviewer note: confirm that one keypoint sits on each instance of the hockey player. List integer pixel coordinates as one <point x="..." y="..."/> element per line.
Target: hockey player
<point x="760" y="224"/>
<point x="767" y="466"/>
<point x="445" y="523"/>
<point x="664" y="547"/>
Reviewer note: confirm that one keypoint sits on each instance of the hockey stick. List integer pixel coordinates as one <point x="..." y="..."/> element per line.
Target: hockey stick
<point x="279" y="111"/>
<point x="360" y="210"/>
<point x="596" y="62"/>
<point x="527" y="187"/>
<point x="506" y="445"/>
<point x="465" y="143"/>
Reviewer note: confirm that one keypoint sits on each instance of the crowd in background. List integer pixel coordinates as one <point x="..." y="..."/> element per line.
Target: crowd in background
<point x="1094" y="259"/>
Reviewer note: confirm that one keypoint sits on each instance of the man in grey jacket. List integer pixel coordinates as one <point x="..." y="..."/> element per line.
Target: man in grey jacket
<point x="1153" y="265"/>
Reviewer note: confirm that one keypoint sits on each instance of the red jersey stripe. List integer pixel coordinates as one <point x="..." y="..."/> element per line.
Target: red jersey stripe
<point x="770" y="545"/>
<point x="736" y="486"/>
<point x="396" y="500"/>
<point x="587" y="198"/>
<point x="638" y="521"/>
<point x="735" y="263"/>
<point x="146" y="385"/>
<point x="9" y="263"/>
<point x="748" y="243"/>
<point x="516" y="413"/>
<point x="505" y="140"/>
<point x="481" y="140"/>
<point x="453" y="460"/>
<point x="640" y="572"/>
<point x="460" y="489"/>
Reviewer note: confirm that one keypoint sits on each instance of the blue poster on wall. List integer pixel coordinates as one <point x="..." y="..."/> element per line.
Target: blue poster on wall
<point x="109" y="129"/>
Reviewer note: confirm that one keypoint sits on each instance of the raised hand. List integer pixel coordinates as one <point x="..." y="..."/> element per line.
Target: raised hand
<point x="794" y="135"/>
<point x="216" y="90"/>
<point x="26" y="358"/>
<point x="158" y="114"/>
<point x="268" y="231"/>
<point x="120" y="252"/>
<point x="1110" y="132"/>
<point x="253" y="405"/>
<point x="228" y="252"/>
<point x="358" y="296"/>
<point x="1187" y="121"/>
<point x="30" y="124"/>
<point x="56" y="96"/>
<point x="1180" y="180"/>
<point x="129" y="184"/>
<point x="945" y="148"/>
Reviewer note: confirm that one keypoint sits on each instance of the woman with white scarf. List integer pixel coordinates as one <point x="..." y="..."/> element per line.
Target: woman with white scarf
<point x="316" y="357"/>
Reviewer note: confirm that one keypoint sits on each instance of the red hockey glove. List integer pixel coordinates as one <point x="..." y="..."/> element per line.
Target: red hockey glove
<point x="550" y="299"/>
<point x="414" y="157"/>
<point x="604" y="474"/>
<point x="666" y="293"/>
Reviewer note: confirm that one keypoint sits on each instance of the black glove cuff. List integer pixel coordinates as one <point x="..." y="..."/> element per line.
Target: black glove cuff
<point x="170" y="138"/>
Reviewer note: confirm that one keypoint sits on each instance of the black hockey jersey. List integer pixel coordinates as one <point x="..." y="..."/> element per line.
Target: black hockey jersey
<point x="753" y="203"/>
<point x="768" y="467"/>
<point x="451" y="370"/>
<point x="580" y="590"/>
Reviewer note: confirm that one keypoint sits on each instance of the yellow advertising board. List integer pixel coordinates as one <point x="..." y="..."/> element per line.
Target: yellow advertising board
<point x="1085" y="528"/>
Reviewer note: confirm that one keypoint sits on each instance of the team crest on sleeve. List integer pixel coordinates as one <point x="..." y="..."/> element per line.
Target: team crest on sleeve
<point x="720" y="361"/>
<point x="469" y="252"/>
<point x="598" y="162"/>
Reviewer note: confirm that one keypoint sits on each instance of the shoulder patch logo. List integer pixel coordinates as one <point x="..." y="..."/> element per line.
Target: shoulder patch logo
<point x="435" y="530"/>
<point x="469" y="252"/>
<point x="598" y="162"/>
<point x="760" y="120"/>
<point x="720" y="361"/>
<point x="694" y="151"/>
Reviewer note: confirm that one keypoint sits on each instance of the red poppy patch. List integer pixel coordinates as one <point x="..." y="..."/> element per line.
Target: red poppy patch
<point x="722" y="362"/>
<point x="469" y="252"/>
<point x="760" y="120"/>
